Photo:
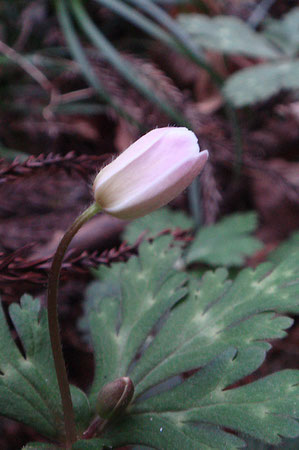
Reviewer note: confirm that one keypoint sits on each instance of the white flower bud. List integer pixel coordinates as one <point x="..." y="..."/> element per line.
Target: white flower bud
<point x="150" y="173"/>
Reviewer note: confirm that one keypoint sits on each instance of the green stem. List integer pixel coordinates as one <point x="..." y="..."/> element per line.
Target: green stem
<point x="67" y="406"/>
<point x="195" y="201"/>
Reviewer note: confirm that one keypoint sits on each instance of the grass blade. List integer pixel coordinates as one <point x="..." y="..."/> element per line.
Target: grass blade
<point x="188" y="48"/>
<point x="139" y="20"/>
<point x="184" y="43"/>
<point x="112" y="55"/>
<point x="79" y="55"/>
<point x="181" y="42"/>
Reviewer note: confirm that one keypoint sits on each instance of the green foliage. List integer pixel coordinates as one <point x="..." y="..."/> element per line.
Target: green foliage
<point x="152" y="224"/>
<point x="252" y="409"/>
<point x="148" y="324"/>
<point x="228" y="242"/>
<point x="227" y="34"/>
<point x="279" y="41"/>
<point x="155" y="22"/>
<point x="258" y="83"/>
<point x="190" y="415"/>
<point x="28" y="387"/>
<point x="148" y="327"/>
<point x="287" y="444"/>
<point x="149" y="287"/>
<point x="291" y="245"/>
<point x="284" y="33"/>
<point x="215" y="315"/>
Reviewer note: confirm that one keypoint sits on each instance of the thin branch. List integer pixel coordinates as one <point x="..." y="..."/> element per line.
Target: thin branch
<point x="27" y="66"/>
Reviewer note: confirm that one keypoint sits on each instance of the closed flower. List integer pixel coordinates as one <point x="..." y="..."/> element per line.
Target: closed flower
<point x="150" y="173"/>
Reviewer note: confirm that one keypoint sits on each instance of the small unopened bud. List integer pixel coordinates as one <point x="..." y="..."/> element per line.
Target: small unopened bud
<point x="114" y="397"/>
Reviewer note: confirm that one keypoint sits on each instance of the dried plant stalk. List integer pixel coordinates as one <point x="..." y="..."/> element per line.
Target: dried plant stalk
<point x="71" y="163"/>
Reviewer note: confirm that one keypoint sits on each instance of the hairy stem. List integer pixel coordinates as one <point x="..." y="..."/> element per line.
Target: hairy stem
<point x="67" y="406"/>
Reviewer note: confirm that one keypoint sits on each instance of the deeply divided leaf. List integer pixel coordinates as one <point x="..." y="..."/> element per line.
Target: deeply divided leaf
<point x="205" y="411"/>
<point x="218" y="314"/>
<point x="228" y="35"/>
<point x="258" y="83"/>
<point x="284" y="33"/>
<point x="284" y="250"/>
<point x="152" y="224"/>
<point x="149" y="328"/>
<point x="266" y="409"/>
<point x="149" y="287"/>
<point x="226" y="243"/>
<point x="28" y="386"/>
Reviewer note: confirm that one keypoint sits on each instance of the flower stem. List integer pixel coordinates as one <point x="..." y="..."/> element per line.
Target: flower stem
<point x="67" y="406"/>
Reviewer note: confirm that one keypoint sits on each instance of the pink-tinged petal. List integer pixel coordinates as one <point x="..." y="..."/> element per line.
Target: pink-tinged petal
<point x="138" y="148"/>
<point x="173" y="147"/>
<point x="161" y="191"/>
<point x="150" y="173"/>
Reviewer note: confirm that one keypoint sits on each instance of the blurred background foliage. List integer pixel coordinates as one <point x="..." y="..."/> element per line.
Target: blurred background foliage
<point x="106" y="71"/>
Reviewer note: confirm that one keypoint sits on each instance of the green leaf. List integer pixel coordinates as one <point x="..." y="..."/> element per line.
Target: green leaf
<point x="149" y="286"/>
<point x="161" y="432"/>
<point x="170" y="33"/>
<point x="265" y="409"/>
<point x="107" y="290"/>
<point x="228" y="242"/>
<point x="147" y="328"/>
<point x="287" y="444"/>
<point x="81" y="409"/>
<point x="284" y="33"/>
<point x="288" y="247"/>
<point x="259" y="83"/>
<point x="154" y="223"/>
<point x="92" y="444"/>
<point x="181" y="38"/>
<point x="228" y="35"/>
<point x="216" y="314"/>
<point x="193" y="414"/>
<point x="28" y="386"/>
